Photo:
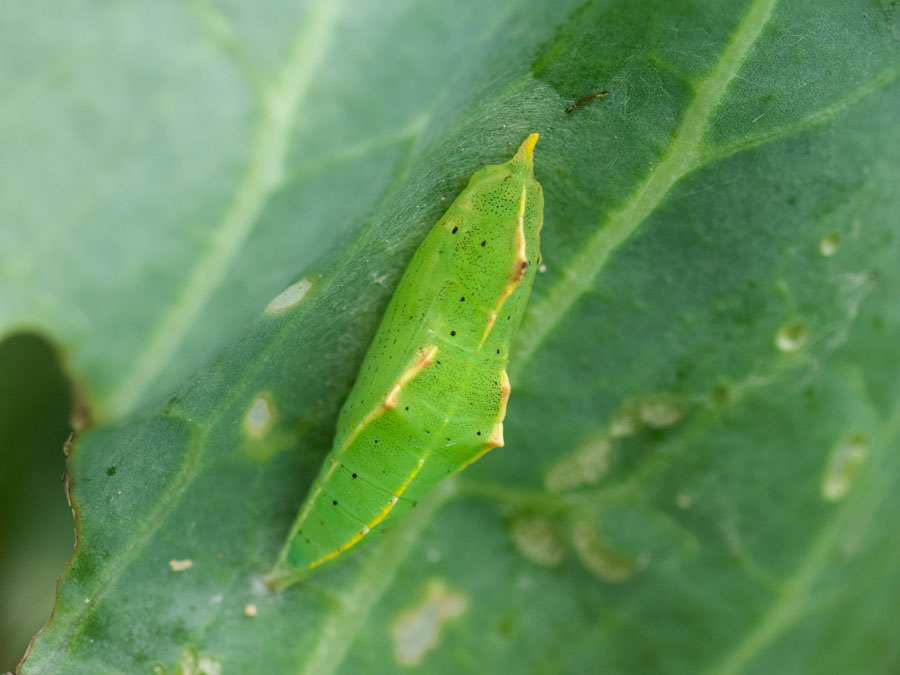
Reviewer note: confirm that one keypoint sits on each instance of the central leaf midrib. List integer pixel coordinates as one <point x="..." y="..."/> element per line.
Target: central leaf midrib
<point x="684" y="155"/>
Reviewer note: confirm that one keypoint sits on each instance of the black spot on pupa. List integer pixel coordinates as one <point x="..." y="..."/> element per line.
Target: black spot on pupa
<point x="334" y="501"/>
<point x="498" y="351"/>
<point x="462" y="299"/>
<point x="406" y="408"/>
<point x="484" y="242"/>
<point x="353" y="475"/>
<point x="452" y="333"/>
<point x="455" y="230"/>
<point x="478" y="433"/>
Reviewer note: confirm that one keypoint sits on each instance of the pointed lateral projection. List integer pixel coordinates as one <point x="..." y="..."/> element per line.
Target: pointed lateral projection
<point x="431" y="394"/>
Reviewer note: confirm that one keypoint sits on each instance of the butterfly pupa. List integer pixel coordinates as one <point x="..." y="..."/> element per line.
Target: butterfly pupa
<point x="432" y="390"/>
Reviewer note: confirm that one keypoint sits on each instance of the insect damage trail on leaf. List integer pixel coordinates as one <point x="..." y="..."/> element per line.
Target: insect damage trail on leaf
<point x="431" y="395"/>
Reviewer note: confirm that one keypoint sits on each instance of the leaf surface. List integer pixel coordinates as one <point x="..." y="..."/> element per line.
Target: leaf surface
<point x="701" y="455"/>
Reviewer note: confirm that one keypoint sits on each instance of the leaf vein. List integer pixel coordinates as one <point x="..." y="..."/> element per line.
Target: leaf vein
<point x="263" y="177"/>
<point x="684" y="156"/>
<point x="821" y="116"/>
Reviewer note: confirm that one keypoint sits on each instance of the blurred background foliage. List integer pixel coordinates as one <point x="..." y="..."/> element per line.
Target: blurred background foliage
<point x="36" y="533"/>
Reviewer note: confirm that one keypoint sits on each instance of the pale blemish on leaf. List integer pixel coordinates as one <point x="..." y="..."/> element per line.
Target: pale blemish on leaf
<point x="585" y="465"/>
<point x="829" y="244"/>
<point x="685" y="500"/>
<point x="289" y="297"/>
<point x="538" y="539"/>
<point x="659" y="411"/>
<point x="190" y="662"/>
<point x="622" y="424"/>
<point x="417" y="631"/>
<point x="206" y="665"/>
<point x="524" y="583"/>
<point x="843" y="467"/>
<point x="595" y="555"/>
<point x="259" y="416"/>
<point x="791" y="336"/>
<point x="250" y="610"/>
<point x="181" y="565"/>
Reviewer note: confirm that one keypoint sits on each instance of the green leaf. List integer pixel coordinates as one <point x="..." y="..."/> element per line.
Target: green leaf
<point x="701" y="460"/>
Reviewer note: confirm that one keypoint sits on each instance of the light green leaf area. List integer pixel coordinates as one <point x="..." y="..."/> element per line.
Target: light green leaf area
<point x="703" y="440"/>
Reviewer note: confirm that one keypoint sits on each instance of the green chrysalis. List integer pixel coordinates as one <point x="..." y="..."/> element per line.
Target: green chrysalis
<point x="431" y="395"/>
